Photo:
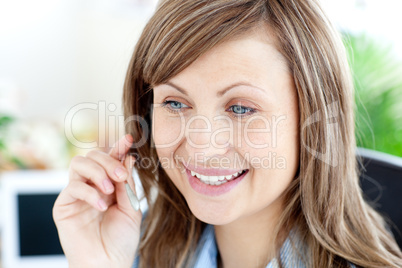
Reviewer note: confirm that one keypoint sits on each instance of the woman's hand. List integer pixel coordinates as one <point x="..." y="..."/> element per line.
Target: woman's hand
<point x="96" y="223"/>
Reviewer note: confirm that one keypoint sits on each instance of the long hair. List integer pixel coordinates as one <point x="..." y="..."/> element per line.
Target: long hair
<point x="324" y="201"/>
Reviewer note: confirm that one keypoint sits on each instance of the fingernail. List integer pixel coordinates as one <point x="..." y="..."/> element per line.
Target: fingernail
<point x="102" y="205"/>
<point x="108" y="186"/>
<point x="121" y="173"/>
<point x="129" y="137"/>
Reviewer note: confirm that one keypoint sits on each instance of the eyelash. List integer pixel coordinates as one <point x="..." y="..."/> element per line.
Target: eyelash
<point x="167" y="104"/>
<point x="249" y="112"/>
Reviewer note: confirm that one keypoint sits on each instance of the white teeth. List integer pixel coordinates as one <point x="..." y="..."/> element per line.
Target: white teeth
<point x="202" y="177"/>
<point x="214" y="183"/>
<point x="221" y="178"/>
<point x="215" y="180"/>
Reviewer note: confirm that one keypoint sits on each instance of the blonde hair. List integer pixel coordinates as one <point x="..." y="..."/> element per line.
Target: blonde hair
<point x="324" y="201"/>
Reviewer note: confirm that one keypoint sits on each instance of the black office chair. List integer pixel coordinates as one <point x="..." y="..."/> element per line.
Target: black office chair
<point x="381" y="181"/>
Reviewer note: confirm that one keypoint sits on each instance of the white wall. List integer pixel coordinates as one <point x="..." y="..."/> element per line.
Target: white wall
<point x="59" y="53"/>
<point x="38" y="53"/>
<point x="379" y="18"/>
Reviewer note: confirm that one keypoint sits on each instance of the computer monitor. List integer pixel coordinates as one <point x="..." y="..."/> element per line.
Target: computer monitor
<point x="29" y="235"/>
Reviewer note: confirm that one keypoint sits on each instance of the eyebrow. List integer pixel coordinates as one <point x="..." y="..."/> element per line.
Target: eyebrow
<point x="219" y="93"/>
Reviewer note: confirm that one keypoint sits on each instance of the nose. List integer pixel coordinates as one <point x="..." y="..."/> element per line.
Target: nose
<point x="208" y="137"/>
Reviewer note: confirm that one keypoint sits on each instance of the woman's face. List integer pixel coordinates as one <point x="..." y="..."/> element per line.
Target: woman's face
<point x="226" y="129"/>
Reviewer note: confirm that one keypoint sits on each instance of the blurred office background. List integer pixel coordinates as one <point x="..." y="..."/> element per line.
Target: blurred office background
<point x="63" y="63"/>
<point x="60" y="60"/>
<point x="55" y="55"/>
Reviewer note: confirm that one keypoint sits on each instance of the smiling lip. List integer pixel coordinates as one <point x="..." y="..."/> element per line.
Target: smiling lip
<point x="214" y="190"/>
<point x="212" y="171"/>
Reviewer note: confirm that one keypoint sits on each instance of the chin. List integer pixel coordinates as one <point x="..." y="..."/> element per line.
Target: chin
<point x="215" y="213"/>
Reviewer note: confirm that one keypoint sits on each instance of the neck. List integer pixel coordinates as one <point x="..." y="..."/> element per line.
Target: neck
<point x="248" y="241"/>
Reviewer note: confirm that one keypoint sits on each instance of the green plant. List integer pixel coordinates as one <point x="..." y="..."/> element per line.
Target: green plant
<point x="4" y="121"/>
<point x="377" y="75"/>
<point x="5" y="159"/>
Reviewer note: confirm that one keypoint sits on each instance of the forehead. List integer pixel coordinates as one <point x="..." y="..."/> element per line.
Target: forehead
<point x="252" y="57"/>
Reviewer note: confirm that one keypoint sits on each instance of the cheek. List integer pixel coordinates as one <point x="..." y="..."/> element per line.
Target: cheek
<point x="272" y="146"/>
<point x="270" y="134"/>
<point x="275" y="166"/>
<point x="257" y="133"/>
<point x="167" y="132"/>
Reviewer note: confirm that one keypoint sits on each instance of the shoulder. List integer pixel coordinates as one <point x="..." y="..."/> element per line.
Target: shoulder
<point x="294" y="253"/>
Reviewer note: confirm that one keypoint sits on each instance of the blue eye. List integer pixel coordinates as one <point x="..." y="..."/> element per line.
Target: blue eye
<point x="174" y="105"/>
<point x="239" y="110"/>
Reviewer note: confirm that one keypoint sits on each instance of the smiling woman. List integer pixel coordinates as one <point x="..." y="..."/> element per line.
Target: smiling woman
<point x="250" y="107"/>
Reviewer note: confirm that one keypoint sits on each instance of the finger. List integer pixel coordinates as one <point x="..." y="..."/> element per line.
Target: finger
<point x="114" y="168"/>
<point x="78" y="190"/>
<point x="86" y="169"/>
<point x="121" y="147"/>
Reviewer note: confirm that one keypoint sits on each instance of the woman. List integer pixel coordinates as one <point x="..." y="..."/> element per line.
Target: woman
<point x="250" y="161"/>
